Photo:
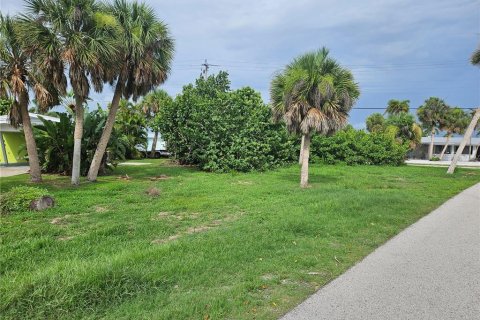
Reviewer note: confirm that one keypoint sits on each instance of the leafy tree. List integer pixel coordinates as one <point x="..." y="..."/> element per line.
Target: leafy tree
<point x="222" y="130"/>
<point x="375" y="122"/>
<point x="144" y="56"/>
<point x="19" y="73"/>
<point x="130" y="122"/>
<point x="313" y="94"/>
<point x="5" y="105"/>
<point x="404" y="129"/>
<point x="395" y="107"/>
<point x="432" y="116"/>
<point x="151" y="105"/>
<point x="73" y="35"/>
<point x="358" y="147"/>
<point x="456" y="121"/>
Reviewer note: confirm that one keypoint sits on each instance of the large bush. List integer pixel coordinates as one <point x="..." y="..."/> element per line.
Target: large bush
<point x="220" y="130"/>
<point x="358" y="147"/>
<point x="55" y="143"/>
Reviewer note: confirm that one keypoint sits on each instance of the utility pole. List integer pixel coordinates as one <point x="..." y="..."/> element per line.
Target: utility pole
<point x="205" y="67"/>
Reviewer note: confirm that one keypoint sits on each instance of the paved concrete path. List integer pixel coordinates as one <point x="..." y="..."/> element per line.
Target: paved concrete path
<point x="13" y="171"/>
<point x="431" y="270"/>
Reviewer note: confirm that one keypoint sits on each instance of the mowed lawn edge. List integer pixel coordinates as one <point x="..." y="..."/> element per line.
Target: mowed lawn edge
<point x="208" y="246"/>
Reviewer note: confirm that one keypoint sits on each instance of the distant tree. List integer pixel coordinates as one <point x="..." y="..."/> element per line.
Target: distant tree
<point x="150" y="106"/>
<point x="375" y="122"/>
<point x="130" y="122"/>
<point x="432" y="115"/>
<point x="313" y="94"/>
<point x="456" y="121"/>
<point x="404" y="129"/>
<point x="397" y="106"/>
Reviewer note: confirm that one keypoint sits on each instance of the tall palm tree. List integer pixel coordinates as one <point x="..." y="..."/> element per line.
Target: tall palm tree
<point x="84" y="36"/>
<point x="19" y="74"/>
<point x="456" y="121"/>
<point x="150" y="105"/>
<point x="313" y="94"/>
<point x="432" y="115"/>
<point x="144" y="57"/>
<point x="397" y="106"/>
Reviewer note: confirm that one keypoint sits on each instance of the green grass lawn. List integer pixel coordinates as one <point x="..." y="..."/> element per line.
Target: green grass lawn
<point x="210" y="246"/>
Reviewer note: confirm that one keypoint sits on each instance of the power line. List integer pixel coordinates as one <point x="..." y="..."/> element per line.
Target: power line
<point x="205" y="67"/>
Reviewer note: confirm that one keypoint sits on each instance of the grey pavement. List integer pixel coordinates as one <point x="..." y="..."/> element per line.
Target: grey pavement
<point x="431" y="270"/>
<point x="13" y="171"/>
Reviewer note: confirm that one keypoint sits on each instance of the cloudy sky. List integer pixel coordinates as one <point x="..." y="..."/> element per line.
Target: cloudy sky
<point x="404" y="49"/>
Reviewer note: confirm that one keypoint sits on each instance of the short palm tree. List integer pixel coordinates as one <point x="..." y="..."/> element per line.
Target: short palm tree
<point x="456" y="121"/>
<point x="77" y="36"/>
<point x="432" y="116"/>
<point x="19" y="74"/>
<point x="313" y="94"/>
<point x="397" y="106"/>
<point x="403" y="128"/>
<point x="145" y="53"/>
<point x="150" y="105"/>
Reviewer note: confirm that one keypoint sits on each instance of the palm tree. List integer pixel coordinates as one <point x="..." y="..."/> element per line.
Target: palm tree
<point x="375" y="122"/>
<point x="403" y="128"/>
<point x="313" y="94"/>
<point x="432" y="115"/>
<point x="144" y="57"/>
<point x="19" y="73"/>
<point x="150" y="105"/>
<point x="456" y="121"/>
<point x="397" y="106"/>
<point x="84" y="37"/>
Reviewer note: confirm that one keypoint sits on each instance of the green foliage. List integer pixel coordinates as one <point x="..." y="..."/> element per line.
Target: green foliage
<point x="404" y="129"/>
<point x="221" y="130"/>
<point x="375" y="122"/>
<point x="55" y="142"/>
<point x="19" y="198"/>
<point x="397" y="106"/>
<point x="131" y="124"/>
<point x="355" y="147"/>
<point x="434" y="158"/>
<point x="5" y="105"/>
<point x="432" y="114"/>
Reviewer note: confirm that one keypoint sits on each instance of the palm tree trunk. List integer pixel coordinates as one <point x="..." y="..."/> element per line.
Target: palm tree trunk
<point x="466" y="137"/>
<point x="35" y="172"/>
<point x="445" y="147"/>
<point x="301" y="150"/>
<point x="77" y="141"/>
<point x="430" y="148"/>
<point x="154" y="145"/>
<point x="305" y="157"/>
<point x="107" y="132"/>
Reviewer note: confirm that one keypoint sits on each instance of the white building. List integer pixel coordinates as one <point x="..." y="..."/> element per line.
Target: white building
<point x="471" y="152"/>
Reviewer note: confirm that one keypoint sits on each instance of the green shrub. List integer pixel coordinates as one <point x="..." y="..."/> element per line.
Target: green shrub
<point x="19" y="198"/>
<point x="358" y="147"/>
<point x="221" y="130"/>
<point x="434" y="158"/>
<point x="55" y="143"/>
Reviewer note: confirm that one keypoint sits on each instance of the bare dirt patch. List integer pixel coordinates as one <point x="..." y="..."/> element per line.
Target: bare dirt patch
<point x="100" y="209"/>
<point x="153" y="192"/>
<point x="65" y="238"/>
<point x="159" y="177"/>
<point x="60" y="220"/>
